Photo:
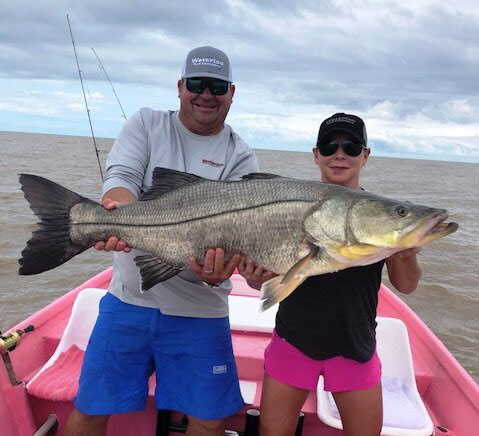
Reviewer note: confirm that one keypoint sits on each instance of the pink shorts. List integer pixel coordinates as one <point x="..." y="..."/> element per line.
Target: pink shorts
<point x="288" y="365"/>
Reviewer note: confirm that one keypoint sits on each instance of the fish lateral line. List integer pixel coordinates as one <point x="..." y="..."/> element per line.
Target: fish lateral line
<point x="189" y="220"/>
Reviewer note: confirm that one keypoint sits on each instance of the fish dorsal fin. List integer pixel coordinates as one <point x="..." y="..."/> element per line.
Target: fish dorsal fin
<point x="154" y="271"/>
<point x="259" y="176"/>
<point x="165" y="180"/>
<point x="278" y="288"/>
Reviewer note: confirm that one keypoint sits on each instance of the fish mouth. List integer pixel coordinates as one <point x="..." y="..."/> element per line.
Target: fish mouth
<point x="440" y="228"/>
<point x="435" y="228"/>
<point x="438" y="224"/>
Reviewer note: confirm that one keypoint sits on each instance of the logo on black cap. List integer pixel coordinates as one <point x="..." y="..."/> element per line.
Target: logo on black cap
<point x="341" y="122"/>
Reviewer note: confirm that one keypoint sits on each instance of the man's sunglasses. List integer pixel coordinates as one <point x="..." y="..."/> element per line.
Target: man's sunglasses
<point x="349" y="147"/>
<point x="216" y="87"/>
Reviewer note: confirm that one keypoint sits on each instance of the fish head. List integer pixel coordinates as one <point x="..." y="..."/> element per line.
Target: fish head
<point x="361" y="228"/>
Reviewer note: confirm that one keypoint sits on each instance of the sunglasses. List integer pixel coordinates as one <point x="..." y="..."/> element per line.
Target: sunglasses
<point x="349" y="147"/>
<point x="216" y="87"/>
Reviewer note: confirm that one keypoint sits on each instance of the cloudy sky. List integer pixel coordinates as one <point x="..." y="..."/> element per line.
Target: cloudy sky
<point x="410" y="69"/>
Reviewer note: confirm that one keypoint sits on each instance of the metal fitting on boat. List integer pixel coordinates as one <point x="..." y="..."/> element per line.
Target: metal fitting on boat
<point x="9" y="342"/>
<point x="49" y="427"/>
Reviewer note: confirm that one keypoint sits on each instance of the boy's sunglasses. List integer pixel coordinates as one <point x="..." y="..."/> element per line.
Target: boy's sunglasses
<point x="349" y="147"/>
<point x="216" y="87"/>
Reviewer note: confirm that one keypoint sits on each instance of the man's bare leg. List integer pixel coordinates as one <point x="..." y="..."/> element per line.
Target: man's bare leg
<point x="79" y="424"/>
<point x="204" y="427"/>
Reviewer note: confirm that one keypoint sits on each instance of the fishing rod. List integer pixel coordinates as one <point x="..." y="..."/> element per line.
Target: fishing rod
<point x="111" y="84"/>
<point x="84" y="98"/>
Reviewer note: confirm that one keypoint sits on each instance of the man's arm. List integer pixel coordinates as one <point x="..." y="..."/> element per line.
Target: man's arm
<point x="119" y="195"/>
<point x="404" y="270"/>
<point x="111" y="200"/>
<point x="124" y="171"/>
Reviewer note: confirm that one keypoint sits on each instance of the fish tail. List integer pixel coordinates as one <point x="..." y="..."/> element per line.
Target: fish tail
<point x="50" y="244"/>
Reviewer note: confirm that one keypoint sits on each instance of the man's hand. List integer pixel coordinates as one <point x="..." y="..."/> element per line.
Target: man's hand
<point x="112" y="243"/>
<point x="255" y="275"/>
<point x="214" y="269"/>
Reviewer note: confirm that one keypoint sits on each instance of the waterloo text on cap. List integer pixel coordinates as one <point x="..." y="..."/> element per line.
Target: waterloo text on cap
<point x="207" y="62"/>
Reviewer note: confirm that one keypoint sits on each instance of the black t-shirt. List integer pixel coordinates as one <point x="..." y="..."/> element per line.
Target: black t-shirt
<point x="333" y="314"/>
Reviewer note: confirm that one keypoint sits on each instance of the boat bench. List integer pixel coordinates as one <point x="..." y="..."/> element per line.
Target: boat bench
<point x="57" y="380"/>
<point x="404" y="413"/>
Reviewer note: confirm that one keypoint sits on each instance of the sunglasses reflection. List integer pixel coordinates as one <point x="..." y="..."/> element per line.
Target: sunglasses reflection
<point x="216" y="87"/>
<point x="350" y="148"/>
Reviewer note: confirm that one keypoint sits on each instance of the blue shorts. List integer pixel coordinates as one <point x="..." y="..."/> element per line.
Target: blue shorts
<point x="193" y="358"/>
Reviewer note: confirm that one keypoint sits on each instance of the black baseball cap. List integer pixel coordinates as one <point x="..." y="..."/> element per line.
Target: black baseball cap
<point x="344" y="123"/>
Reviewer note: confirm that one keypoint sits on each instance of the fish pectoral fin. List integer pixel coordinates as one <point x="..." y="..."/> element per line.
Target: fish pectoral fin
<point x="278" y="288"/>
<point x="274" y="290"/>
<point x="154" y="271"/>
<point x="298" y="269"/>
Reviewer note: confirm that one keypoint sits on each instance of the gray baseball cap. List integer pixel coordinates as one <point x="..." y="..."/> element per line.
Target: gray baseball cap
<point x="207" y="62"/>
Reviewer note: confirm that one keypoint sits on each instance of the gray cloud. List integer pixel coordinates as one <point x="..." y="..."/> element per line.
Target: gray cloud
<point x="407" y="61"/>
<point x="395" y="49"/>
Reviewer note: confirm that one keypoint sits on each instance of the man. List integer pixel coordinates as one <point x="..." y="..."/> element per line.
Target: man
<point x="179" y="327"/>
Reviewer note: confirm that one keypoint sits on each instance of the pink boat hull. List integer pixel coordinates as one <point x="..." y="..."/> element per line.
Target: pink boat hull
<point x="449" y="393"/>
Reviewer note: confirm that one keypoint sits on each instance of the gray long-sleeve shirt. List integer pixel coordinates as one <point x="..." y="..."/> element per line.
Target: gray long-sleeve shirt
<point x="151" y="139"/>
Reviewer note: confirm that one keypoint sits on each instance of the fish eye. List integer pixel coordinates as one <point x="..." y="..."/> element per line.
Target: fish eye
<point x="402" y="211"/>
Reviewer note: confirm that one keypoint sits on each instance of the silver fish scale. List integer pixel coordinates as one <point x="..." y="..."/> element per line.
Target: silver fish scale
<point x="261" y="218"/>
<point x="209" y="198"/>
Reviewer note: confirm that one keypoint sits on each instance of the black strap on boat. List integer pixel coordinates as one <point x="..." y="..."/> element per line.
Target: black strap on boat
<point x="299" y="427"/>
<point x="163" y="420"/>
<point x="251" y="426"/>
<point x="164" y="425"/>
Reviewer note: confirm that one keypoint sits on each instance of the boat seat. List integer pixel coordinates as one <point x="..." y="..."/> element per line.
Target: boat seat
<point x="404" y="411"/>
<point x="245" y="315"/>
<point x="57" y="380"/>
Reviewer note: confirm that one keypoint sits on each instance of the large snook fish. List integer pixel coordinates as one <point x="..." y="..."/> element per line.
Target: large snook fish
<point x="295" y="228"/>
